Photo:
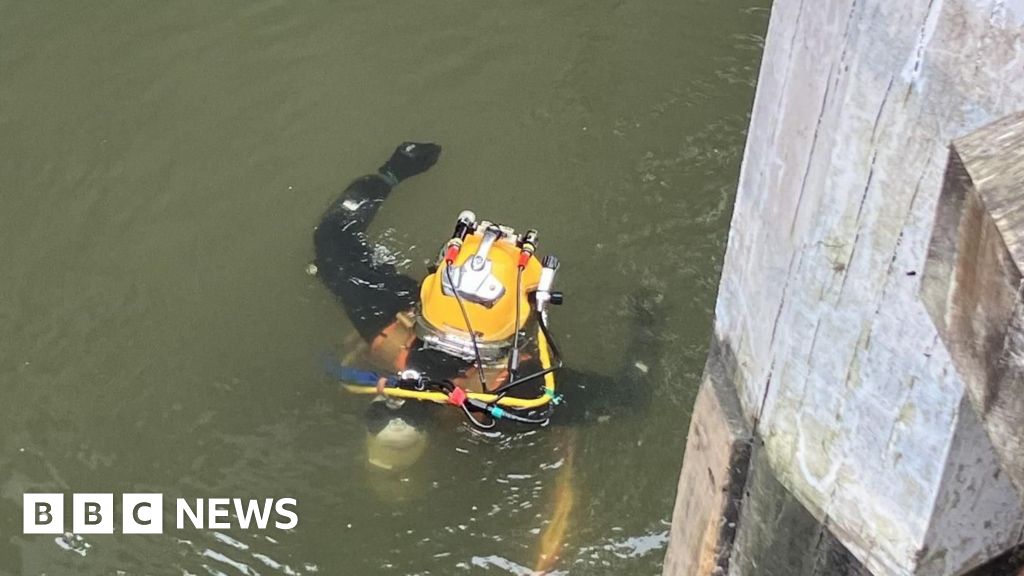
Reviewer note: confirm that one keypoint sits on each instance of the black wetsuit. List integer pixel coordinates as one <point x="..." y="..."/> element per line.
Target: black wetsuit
<point x="373" y="293"/>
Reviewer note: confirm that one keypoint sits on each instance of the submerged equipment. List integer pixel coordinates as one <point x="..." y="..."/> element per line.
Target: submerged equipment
<point x="475" y="305"/>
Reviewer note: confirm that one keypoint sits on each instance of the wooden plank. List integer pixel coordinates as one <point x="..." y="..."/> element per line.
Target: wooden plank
<point x="973" y="281"/>
<point x="714" y="473"/>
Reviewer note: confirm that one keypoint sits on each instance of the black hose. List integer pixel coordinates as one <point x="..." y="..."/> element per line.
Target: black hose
<point x="513" y="357"/>
<point x="526" y="420"/>
<point x="469" y="327"/>
<point x="476" y="423"/>
<point x="498" y="413"/>
<point x="504" y="388"/>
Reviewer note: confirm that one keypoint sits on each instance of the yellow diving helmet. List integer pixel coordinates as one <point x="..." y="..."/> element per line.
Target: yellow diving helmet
<point x="482" y="282"/>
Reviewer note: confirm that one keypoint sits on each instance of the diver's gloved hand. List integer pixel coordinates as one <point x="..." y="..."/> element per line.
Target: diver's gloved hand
<point x="410" y="159"/>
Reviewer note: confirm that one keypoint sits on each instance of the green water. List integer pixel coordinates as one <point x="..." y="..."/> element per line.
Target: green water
<point x="162" y="165"/>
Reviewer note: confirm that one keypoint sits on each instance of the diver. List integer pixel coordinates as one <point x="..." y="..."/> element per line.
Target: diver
<point x="473" y="334"/>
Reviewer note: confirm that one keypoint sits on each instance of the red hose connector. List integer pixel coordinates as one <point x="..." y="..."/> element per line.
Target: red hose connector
<point x="452" y="251"/>
<point x="457" y="397"/>
<point x="524" y="257"/>
<point x="527" y="246"/>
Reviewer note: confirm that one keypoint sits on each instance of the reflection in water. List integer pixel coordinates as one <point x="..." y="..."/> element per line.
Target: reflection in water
<point x="161" y="168"/>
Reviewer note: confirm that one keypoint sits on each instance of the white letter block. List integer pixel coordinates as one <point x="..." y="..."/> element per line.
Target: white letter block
<point x="42" y="513"/>
<point x="142" y="513"/>
<point x="92" y="514"/>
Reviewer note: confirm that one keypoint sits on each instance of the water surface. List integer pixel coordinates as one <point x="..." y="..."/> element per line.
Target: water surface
<point x="162" y="165"/>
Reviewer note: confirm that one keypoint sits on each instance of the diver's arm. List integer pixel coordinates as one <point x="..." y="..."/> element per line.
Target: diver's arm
<point x="371" y="292"/>
<point x="589" y="396"/>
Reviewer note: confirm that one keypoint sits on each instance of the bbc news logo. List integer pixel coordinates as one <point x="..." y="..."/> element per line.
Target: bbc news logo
<point x="144" y="513"/>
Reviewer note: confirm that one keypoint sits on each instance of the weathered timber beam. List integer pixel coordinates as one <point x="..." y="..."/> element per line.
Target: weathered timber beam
<point x="973" y="280"/>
